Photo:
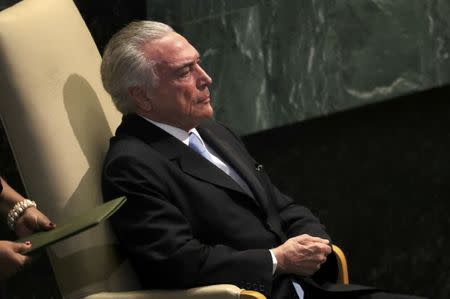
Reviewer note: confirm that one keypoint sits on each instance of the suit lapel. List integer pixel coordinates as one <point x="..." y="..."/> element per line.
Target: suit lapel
<point x="244" y="167"/>
<point x="174" y="150"/>
<point x="195" y="165"/>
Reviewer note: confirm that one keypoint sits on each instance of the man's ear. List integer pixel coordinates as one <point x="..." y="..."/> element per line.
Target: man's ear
<point x="140" y="97"/>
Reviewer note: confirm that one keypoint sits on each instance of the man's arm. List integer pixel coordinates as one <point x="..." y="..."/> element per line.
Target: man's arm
<point x="297" y="219"/>
<point x="308" y="245"/>
<point x="161" y="243"/>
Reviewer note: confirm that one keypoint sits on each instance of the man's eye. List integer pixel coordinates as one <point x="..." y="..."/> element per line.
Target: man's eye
<point x="185" y="72"/>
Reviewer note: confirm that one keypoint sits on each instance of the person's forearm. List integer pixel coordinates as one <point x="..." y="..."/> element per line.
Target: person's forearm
<point x="8" y="198"/>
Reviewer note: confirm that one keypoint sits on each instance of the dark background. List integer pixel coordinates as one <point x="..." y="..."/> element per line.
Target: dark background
<point x="378" y="177"/>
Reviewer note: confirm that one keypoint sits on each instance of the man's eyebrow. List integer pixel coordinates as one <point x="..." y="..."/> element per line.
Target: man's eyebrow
<point x="188" y="64"/>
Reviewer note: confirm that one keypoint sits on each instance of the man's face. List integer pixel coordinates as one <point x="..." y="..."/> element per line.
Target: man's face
<point x="181" y="97"/>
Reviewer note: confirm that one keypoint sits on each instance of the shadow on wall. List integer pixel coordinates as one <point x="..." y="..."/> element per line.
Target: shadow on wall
<point x="92" y="131"/>
<point x="378" y="177"/>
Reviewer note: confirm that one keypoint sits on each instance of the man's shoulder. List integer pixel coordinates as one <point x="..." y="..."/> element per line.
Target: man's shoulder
<point x="128" y="146"/>
<point x="134" y="136"/>
<point x="213" y="124"/>
<point x="217" y="128"/>
<point x="118" y="143"/>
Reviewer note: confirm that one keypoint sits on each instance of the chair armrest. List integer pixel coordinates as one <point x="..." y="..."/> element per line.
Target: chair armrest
<point x="220" y="291"/>
<point x="342" y="276"/>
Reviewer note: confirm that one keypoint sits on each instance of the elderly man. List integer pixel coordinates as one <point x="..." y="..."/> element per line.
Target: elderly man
<point x="200" y="209"/>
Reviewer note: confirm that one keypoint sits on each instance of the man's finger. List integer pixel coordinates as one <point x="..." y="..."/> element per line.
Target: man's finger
<point x="306" y="237"/>
<point x="321" y="240"/>
<point x="321" y="248"/>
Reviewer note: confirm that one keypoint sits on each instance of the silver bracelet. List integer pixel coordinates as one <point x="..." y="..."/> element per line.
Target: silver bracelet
<point x="17" y="211"/>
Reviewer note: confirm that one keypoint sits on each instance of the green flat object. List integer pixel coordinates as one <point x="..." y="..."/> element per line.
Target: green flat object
<point x="74" y="225"/>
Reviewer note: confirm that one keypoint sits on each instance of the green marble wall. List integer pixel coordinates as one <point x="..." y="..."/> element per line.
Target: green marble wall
<point x="281" y="61"/>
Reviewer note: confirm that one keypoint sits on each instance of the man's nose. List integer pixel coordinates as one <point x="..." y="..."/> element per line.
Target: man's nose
<point x="204" y="79"/>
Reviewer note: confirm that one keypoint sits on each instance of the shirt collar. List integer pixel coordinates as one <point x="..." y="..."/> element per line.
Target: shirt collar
<point x="178" y="133"/>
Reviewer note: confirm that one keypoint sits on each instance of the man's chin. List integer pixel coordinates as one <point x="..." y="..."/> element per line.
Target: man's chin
<point x="208" y="112"/>
<point x="211" y="114"/>
<point x="207" y="116"/>
<point x="203" y="111"/>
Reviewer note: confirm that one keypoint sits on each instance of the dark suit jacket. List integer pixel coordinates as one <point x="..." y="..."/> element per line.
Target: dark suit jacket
<point x="186" y="223"/>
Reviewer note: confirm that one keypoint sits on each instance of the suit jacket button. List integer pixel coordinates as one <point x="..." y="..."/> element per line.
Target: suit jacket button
<point x="259" y="167"/>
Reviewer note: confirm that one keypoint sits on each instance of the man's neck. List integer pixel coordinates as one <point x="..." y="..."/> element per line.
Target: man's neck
<point x="176" y="132"/>
<point x="166" y="123"/>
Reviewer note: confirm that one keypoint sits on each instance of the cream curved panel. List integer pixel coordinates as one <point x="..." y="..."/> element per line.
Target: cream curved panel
<point x="59" y="119"/>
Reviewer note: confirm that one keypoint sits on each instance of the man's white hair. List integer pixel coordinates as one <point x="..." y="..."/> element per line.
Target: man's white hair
<point x="124" y="64"/>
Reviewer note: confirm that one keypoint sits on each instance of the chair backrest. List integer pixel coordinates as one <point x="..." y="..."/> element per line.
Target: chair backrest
<point x="59" y="119"/>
